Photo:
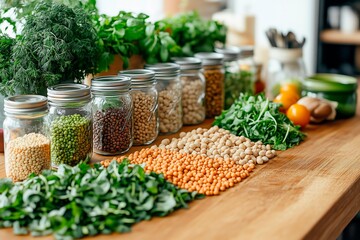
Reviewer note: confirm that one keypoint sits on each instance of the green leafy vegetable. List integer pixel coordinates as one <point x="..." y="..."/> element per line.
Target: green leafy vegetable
<point x="6" y="64"/>
<point x="192" y="33"/>
<point x="58" y="44"/>
<point x="259" y="119"/>
<point x="74" y="202"/>
<point x="127" y="34"/>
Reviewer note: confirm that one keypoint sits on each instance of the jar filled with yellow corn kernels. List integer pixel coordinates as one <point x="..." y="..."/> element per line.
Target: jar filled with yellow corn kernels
<point x="27" y="147"/>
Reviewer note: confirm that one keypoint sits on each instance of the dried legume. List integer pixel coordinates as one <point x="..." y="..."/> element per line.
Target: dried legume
<point x="220" y="144"/>
<point x="192" y="172"/>
<point x="193" y="94"/>
<point x="214" y="91"/>
<point x="170" y="113"/>
<point x="27" y="154"/>
<point x="71" y="139"/>
<point x="112" y="130"/>
<point x="145" y="118"/>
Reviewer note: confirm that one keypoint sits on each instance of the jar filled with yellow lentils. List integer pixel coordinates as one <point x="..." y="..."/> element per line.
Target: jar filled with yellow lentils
<point x="27" y="147"/>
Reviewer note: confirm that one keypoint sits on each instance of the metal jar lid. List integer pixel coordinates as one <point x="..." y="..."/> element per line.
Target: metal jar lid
<point x="187" y="63"/>
<point x="25" y="104"/>
<point x="113" y="83"/>
<point x="164" y="70"/>
<point x="210" y="58"/>
<point x="230" y="53"/>
<point x="139" y="77"/>
<point x="246" y="51"/>
<point x="68" y="93"/>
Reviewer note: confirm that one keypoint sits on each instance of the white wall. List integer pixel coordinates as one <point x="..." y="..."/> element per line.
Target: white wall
<point x="299" y="16"/>
<point x="153" y="8"/>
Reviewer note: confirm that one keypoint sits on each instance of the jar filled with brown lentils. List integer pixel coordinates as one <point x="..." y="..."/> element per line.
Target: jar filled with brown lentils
<point x="112" y="110"/>
<point x="213" y="71"/>
<point x="145" y="101"/>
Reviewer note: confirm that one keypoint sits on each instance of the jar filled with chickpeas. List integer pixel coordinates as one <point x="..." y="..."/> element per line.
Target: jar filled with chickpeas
<point x="70" y="123"/>
<point x="145" y="102"/>
<point x="27" y="147"/>
<point x="213" y="70"/>
<point x="193" y="90"/>
<point x="169" y="88"/>
<point x="112" y="110"/>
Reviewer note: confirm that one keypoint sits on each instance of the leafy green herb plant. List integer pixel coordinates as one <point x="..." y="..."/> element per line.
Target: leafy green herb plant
<point x="128" y="34"/>
<point x="192" y="33"/>
<point x="259" y="119"/>
<point x="74" y="202"/>
<point x="58" y="44"/>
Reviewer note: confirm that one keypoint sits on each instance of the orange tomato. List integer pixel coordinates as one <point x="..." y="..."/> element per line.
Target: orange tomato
<point x="298" y="114"/>
<point x="290" y="88"/>
<point x="286" y="99"/>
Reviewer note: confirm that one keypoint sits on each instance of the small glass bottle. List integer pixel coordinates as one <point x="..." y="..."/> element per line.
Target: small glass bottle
<point x="112" y="110"/>
<point x="145" y="102"/>
<point x="168" y="86"/>
<point x="193" y="90"/>
<point x="284" y="65"/>
<point x="70" y="123"/>
<point x="27" y="148"/>
<point x="213" y="71"/>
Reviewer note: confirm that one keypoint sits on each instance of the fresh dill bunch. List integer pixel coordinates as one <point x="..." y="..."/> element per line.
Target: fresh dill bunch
<point x="58" y="44"/>
<point x="6" y="45"/>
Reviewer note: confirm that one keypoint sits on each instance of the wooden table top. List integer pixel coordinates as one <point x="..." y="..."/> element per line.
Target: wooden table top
<point x="311" y="191"/>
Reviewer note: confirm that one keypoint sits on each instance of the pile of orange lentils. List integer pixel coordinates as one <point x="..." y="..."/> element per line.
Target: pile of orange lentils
<point x="190" y="171"/>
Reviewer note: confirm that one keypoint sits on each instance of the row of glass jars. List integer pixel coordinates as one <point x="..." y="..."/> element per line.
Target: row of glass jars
<point x="115" y="120"/>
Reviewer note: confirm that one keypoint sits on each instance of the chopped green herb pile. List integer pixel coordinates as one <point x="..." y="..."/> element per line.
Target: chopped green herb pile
<point x="77" y="201"/>
<point x="259" y="119"/>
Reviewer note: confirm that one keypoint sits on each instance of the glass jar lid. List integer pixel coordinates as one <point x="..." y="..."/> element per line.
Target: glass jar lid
<point x="114" y="83"/>
<point x="210" y="58"/>
<point x="325" y="82"/>
<point x="230" y="53"/>
<point x="187" y="63"/>
<point x="164" y="69"/>
<point x="25" y="104"/>
<point x="68" y="93"/>
<point x="139" y="77"/>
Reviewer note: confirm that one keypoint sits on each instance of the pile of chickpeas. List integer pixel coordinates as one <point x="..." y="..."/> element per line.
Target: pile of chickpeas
<point x="189" y="171"/>
<point x="220" y="144"/>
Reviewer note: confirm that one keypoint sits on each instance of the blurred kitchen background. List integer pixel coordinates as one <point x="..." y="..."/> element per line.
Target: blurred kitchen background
<point x="331" y="27"/>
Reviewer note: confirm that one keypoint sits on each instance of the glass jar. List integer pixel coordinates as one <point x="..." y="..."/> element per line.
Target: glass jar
<point x="27" y="148"/>
<point x="213" y="71"/>
<point x="145" y="102"/>
<point x="249" y="73"/>
<point x="70" y="123"/>
<point x="112" y="115"/>
<point x="193" y="90"/>
<point x="284" y="65"/>
<point x="168" y="86"/>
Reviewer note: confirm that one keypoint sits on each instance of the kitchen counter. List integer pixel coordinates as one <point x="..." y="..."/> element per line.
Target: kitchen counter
<point x="311" y="191"/>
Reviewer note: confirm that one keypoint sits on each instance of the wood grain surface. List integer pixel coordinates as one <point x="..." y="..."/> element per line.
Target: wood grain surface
<point x="311" y="191"/>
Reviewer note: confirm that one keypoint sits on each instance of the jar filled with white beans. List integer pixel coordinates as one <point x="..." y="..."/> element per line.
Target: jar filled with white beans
<point x="193" y="90"/>
<point x="169" y="88"/>
<point x="27" y="148"/>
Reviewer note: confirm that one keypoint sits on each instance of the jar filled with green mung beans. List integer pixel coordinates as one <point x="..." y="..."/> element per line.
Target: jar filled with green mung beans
<point x="70" y="123"/>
